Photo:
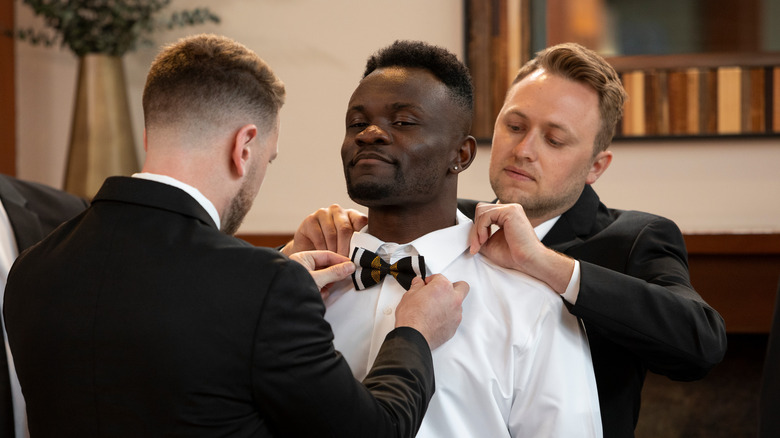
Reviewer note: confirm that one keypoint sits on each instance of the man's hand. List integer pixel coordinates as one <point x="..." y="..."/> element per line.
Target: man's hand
<point x="327" y="229"/>
<point x="512" y="244"/>
<point x="515" y="245"/>
<point x="325" y="267"/>
<point x="433" y="307"/>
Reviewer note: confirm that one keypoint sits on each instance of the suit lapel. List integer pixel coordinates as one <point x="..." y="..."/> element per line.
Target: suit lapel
<point x="25" y="223"/>
<point x="575" y="224"/>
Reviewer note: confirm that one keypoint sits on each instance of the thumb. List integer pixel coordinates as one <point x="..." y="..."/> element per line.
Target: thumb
<point x="333" y="273"/>
<point x="462" y="288"/>
<point x="417" y="283"/>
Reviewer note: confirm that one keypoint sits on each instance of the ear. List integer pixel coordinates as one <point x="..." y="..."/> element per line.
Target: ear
<point x="466" y="153"/>
<point x="239" y="151"/>
<point x="598" y="166"/>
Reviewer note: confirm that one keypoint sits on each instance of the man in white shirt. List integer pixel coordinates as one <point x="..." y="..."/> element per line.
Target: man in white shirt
<point x="519" y="364"/>
<point x="144" y="316"/>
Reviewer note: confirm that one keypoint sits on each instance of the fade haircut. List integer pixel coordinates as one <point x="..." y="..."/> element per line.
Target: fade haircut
<point x="574" y="62"/>
<point x="207" y="81"/>
<point x="438" y="61"/>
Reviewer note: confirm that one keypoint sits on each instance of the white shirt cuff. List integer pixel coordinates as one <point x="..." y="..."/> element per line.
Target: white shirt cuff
<point x="573" y="289"/>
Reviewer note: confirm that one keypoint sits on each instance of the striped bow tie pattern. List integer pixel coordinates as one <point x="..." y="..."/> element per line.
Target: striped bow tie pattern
<point x="371" y="269"/>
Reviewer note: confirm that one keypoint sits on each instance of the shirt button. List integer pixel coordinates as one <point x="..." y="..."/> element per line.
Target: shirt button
<point x="388" y="311"/>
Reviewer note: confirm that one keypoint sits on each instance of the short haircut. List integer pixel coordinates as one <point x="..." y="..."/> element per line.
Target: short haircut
<point x="438" y="61"/>
<point x="210" y="80"/>
<point x="574" y="62"/>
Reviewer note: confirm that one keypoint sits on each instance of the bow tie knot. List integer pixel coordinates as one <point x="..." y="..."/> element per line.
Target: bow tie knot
<point x="371" y="269"/>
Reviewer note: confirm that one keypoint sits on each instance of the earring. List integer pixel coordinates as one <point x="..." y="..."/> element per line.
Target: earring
<point x="454" y="167"/>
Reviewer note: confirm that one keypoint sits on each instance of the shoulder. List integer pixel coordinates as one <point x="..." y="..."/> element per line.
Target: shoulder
<point x="637" y="224"/>
<point x="45" y="200"/>
<point x="629" y="235"/>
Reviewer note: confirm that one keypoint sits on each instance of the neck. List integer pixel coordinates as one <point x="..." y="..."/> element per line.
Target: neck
<point x="194" y="173"/>
<point x="403" y="224"/>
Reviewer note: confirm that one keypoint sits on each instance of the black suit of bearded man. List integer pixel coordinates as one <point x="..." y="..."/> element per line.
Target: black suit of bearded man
<point x="33" y="210"/>
<point x="148" y="321"/>
<point x="636" y="301"/>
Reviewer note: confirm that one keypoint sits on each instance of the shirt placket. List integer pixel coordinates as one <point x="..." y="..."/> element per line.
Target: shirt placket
<point x="390" y="294"/>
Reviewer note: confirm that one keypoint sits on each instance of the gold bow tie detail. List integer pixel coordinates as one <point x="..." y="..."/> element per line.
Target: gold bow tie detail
<point x="371" y="269"/>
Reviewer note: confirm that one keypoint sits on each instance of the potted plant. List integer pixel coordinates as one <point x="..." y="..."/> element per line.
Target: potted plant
<point x="100" y="32"/>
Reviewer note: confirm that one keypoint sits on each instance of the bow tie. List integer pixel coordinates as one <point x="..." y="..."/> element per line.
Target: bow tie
<point x="371" y="269"/>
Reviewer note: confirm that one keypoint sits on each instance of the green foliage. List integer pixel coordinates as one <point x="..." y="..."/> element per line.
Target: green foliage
<point x="112" y="27"/>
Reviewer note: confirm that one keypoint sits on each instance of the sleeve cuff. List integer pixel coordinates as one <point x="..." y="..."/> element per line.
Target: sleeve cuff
<point x="573" y="289"/>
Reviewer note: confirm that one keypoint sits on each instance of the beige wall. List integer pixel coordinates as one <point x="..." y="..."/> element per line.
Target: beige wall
<point x="319" y="48"/>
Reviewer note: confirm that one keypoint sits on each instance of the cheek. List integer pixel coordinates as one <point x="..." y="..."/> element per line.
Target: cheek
<point x="500" y="149"/>
<point x="562" y="168"/>
<point x="345" y="150"/>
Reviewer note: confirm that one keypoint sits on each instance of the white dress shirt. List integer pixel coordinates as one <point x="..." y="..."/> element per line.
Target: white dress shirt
<point x="8" y="253"/>
<point x="519" y="364"/>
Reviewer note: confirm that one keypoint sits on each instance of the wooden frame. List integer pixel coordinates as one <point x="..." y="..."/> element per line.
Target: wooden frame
<point x="498" y="43"/>
<point x="669" y="96"/>
<point x="7" y="94"/>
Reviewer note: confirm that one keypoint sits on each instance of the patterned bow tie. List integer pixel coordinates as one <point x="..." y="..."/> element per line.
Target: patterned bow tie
<point x="371" y="269"/>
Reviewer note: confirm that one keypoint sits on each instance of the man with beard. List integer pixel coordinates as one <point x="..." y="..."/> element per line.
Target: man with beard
<point x="519" y="364"/>
<point x="144" y="316"/>
<point x="624" y="273"/>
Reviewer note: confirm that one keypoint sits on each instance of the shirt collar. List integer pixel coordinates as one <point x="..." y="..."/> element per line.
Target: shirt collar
<point x="542" y="229"/>
<point x="192" y="191"/>
<point x="440" y="248"/>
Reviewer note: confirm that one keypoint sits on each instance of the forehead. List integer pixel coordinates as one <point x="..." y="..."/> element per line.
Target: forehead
<point x="400" y="84"/>
<point x="555" y="99"/>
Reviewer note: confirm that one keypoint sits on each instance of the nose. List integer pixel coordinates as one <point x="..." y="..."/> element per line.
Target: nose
<point x="373" y="134"/>
<point x="526" y="147"/>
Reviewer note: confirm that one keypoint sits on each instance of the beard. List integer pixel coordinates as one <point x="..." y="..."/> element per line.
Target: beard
<point x="239" y="206"/>
<point x="394" y="191"/>
<point x="367" y="192"/>
<point x="541" y="206"/>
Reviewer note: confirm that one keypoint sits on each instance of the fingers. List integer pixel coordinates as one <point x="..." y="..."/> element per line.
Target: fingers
<point x="324" y="259"/>
<point x="357" y="221"/>
<point x="484" y="219"/>
<point x="325" y="267"/>
<point x="328" y="229"/>
<point x="332" y="274"/>
<point x="433" y="307"/>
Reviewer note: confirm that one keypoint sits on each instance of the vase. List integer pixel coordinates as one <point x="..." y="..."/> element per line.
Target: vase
<point x="101" y="138"/>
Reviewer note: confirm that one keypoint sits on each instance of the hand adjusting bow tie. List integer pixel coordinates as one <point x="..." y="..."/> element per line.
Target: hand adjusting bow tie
<point x="371" y="269"/>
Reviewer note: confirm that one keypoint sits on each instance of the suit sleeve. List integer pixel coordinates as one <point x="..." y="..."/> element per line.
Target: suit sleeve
<point x="306" y="388"/>
<point x="652" y="310"/>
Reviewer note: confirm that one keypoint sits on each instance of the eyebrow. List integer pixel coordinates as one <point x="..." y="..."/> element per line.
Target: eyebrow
<point x="563" y="128"/>
<point x="395" y="106"/>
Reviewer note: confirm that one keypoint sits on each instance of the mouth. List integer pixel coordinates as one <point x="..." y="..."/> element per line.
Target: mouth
<point x="370" y="158"/>
<point x="519" y="174"/>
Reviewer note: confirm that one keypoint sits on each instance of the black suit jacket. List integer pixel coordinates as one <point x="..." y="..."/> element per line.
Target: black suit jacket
<point x="769" y="402"/>
<point x="34" y="210"/>
<point x="140" y="318"/>
<point x="636" y="301"/>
